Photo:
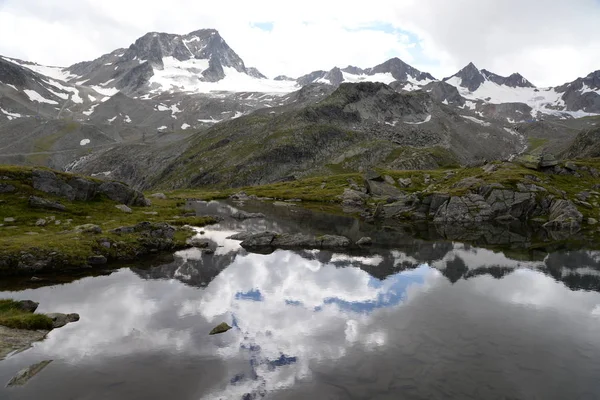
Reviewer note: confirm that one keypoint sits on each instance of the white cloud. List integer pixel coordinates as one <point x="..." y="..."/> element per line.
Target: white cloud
<point x="549" y="44"/>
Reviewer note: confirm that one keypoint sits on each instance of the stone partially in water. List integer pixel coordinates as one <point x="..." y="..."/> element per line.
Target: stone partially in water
<point x="221" y="328"/>
<point x="24" y="375"/>
<point x="246" y="215"/>
<point x="59" y="320"/>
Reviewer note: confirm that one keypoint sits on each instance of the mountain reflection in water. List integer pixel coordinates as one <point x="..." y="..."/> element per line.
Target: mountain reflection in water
<point x="415" y="320"/>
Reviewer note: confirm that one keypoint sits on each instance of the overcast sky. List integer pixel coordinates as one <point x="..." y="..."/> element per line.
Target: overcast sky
<point x="549" y="41"/>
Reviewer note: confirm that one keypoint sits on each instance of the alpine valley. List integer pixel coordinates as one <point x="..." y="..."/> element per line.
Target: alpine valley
<point x="358" y="232"/>
<point x="184" y="110"/>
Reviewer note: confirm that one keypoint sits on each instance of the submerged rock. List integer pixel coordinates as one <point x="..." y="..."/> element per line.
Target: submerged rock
<point x="263" y="240"/>
<point x="246" y="215"/>
<point x="221" y="328"/>
<point x="199" y="243"/>
<point x="24" y="375"/>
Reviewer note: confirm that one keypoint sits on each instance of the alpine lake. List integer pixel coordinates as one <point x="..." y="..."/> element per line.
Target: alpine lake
<point x="417" y="315"/>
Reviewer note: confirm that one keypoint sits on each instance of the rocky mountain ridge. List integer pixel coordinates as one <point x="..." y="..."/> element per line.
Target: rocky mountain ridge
<point x="165" y="88"/>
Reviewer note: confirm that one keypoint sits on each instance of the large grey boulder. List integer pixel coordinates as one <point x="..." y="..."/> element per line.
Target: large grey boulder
<point x="122" y="193"/>
<point x="520" y="205"/>
<point x="38" y="202"/>
<point x="334" y="242"/>
<point x="564" y="215"/>
<point x="353" y="198"/>
<point x="48" y="182"/>
<point x="382" y="189"/>
<point x="469" y="208"/>
<point x="84" y="190"/>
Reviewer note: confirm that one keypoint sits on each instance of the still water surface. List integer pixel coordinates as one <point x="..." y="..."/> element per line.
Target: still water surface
<point x="408" y="319"/>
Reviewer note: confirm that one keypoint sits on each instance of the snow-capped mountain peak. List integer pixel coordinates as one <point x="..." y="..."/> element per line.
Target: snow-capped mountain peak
<point x="392" y="70"/>
<point x="200" y="61"/>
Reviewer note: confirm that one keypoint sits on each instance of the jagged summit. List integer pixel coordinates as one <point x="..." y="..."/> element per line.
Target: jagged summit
<point x="471" y="78"/>
<point x="387" y="72"/>
<point x="161" y="62"/>
<point x="513" y="80"/>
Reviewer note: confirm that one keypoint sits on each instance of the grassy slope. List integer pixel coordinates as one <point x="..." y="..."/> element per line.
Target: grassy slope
<point x="23" y="236"/>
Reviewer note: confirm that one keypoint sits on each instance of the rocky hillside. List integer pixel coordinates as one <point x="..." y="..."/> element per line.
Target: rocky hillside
<point x="585" y="145"/>
<point x="359" y="125"/>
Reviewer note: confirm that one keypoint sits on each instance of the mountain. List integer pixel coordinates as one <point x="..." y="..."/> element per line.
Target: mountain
<point x="26" y="92"/>
<point x="357" y="126"/>
<point x="582" y="94"/>
<point x="163" y="62"/>
<point x="136" y="110"/>
<point x="390" y="71"/>
<point x="571" y="100"/>
<point x="513" y="80"/>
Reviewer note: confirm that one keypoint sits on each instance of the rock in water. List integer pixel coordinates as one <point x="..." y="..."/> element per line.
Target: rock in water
<point x="246" y="215"/>
<point x="59" y="320"/>
<point x="221" y="328"/>
<point x="24" y="375"/>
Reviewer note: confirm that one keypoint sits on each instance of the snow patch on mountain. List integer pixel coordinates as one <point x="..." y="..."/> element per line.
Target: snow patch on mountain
<point x="185" y="76"/>
<point x="83" y="142"/>
<point x="10" y="115"/>
<point x="105" y="91"/>
<point x="90" y="111"/>
<point x="427" y="119"/>
<point x="476" y="120"/>
<point x="386" y="78"/>
<point x="35" y="96"/>
<point x="57" y="73"/>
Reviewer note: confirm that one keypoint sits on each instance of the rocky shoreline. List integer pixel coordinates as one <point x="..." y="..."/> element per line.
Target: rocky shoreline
<point x="475" y="199"/>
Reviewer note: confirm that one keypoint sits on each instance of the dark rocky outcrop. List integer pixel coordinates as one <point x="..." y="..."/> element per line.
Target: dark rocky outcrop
<point x="486" y="203"/>
<point x="78" y="188"/>
<point x="38" y="202"/>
